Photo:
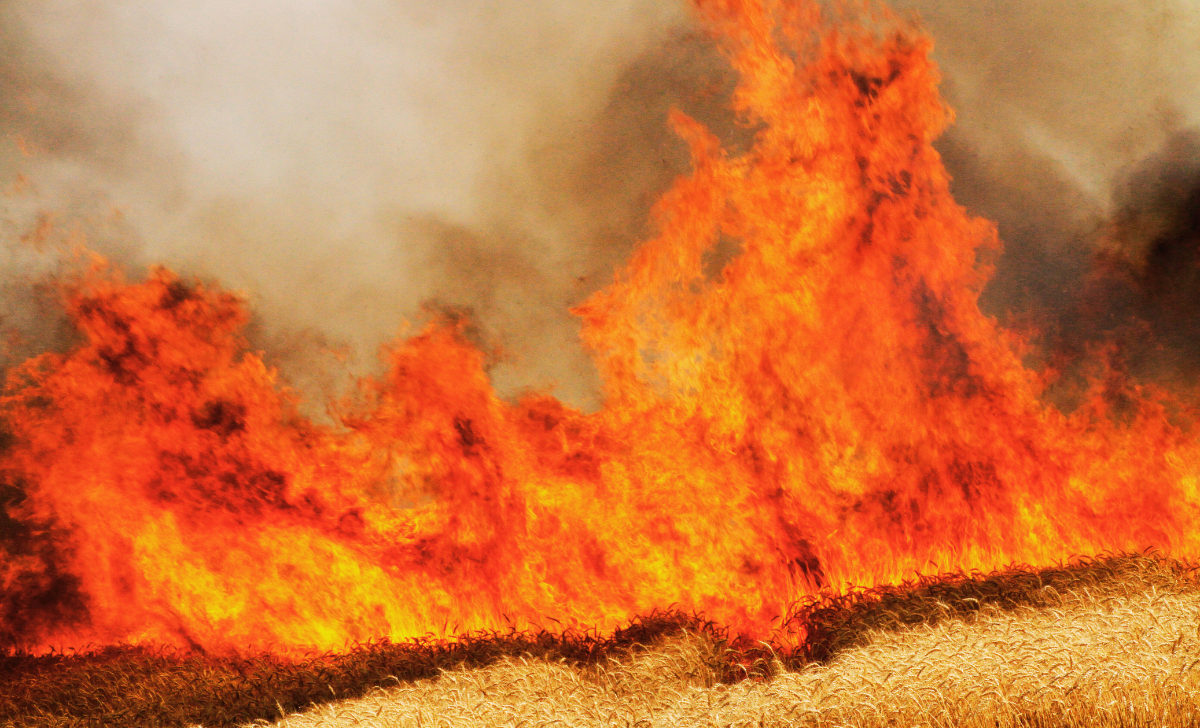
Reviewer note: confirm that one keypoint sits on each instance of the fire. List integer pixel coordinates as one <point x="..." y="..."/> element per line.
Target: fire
<point x="826" y="406"/>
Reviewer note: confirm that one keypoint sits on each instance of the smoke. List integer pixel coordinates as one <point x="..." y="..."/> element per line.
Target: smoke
<point x="353" y="166"/>
<point x="1060" y="104"/>
<point x="342" y="163"/>
<point x="1142" y="297"/>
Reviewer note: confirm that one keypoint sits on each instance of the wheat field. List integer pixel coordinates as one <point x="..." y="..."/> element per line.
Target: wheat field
<point x="1123" y="653"/>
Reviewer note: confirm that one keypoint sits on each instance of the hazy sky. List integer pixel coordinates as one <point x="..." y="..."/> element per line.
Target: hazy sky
<point x="344" y="162"/>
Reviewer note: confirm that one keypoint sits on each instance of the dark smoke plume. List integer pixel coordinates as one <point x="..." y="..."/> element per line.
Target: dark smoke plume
<point x="1143" y="293"/>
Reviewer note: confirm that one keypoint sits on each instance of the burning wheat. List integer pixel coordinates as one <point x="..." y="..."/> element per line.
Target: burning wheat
<point x="830" y="406"/>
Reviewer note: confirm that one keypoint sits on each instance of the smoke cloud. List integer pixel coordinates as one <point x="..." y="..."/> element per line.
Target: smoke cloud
<point x="342" y="163"/>
<point x="1059" y="105"/>
<point x="353" y="166"/>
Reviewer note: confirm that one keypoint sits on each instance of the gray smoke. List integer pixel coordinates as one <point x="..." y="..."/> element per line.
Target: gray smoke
<point x="340" y="162"/>
<point x="1076" y="134"/>
<point x="353" y="165"/>
<point x="1057" y="102"/>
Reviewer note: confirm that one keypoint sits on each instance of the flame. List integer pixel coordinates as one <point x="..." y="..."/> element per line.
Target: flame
<point x="825" y="406"/>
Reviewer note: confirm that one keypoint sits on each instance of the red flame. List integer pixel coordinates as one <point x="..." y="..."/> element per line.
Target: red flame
<point x="829" y="406"/>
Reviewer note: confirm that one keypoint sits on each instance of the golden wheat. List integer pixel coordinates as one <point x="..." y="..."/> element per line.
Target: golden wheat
<point x="1124" y="655"/>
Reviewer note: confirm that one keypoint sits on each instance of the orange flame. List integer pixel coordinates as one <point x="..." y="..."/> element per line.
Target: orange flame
<point x="829" y="405"/>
